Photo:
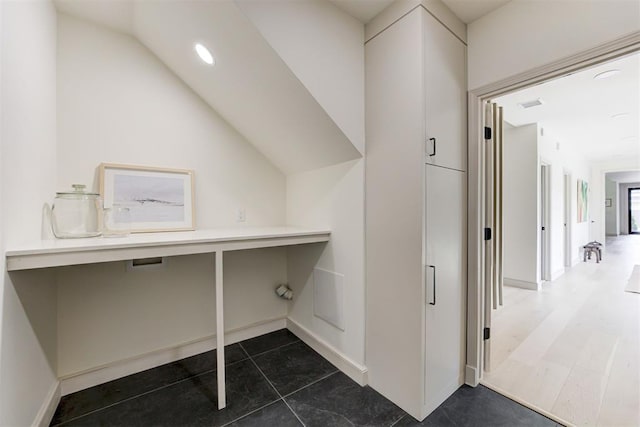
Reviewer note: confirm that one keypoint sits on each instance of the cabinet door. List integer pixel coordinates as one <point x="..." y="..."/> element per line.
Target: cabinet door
<point x="445" y="77"/>
<point x="445" y="276"/>
<point x="394" y="212"/>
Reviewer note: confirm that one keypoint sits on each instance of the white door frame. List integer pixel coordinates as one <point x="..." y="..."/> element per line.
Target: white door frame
<point x="475" y="290"/>
<point x="568" y="249"/>
<point x="544" y="249"/>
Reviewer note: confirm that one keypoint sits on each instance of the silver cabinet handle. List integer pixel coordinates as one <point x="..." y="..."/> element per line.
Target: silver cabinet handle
<point x="434" y="147"/>
<point x="434" y="284"/>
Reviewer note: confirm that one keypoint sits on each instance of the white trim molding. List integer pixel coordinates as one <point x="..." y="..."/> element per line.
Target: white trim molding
<point x="353" y="370"/>
<point x="522" y="284"/>
<point x="49" y="405"/>
<point x="597" y="55"/>
<point x="109" y="372"/>
<point x="471" y="376"/>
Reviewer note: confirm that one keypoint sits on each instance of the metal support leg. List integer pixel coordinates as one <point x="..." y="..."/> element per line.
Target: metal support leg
<point x="222" y="397"/>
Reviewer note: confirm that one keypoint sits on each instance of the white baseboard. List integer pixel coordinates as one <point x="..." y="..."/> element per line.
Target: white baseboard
<point x="49" y="405"/>
<point x="109" y="372"/>
<point x="353" y="370"/>
<point x="532" y="286"/>
<point x="557" y="274"/>
<point x="471" y="376"/>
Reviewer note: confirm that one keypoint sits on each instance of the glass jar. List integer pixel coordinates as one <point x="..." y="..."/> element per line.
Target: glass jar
<point x="116" y="221"/>
<point x="76" y="214"/>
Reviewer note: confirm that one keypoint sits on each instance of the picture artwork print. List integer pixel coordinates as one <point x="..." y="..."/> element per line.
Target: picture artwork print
<point x="156" y="199"/>
<point x="583" y="200"/>
<point x="149" y="199"/>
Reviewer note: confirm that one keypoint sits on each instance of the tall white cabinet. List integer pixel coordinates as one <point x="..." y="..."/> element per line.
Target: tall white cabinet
<point x="416" y="211"/>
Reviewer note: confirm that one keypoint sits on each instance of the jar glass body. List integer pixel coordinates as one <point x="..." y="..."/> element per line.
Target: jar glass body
<point x="76" y="215"/>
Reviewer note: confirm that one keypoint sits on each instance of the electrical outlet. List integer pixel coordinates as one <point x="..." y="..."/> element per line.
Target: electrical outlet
<point x="241" y="215"/>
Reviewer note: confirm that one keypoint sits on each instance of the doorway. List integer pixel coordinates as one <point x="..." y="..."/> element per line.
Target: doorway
<point x="545" y="173"/>
<point x="567" y="220"/>
<point x="561" y="206"/>
<point x="634" y="210"/>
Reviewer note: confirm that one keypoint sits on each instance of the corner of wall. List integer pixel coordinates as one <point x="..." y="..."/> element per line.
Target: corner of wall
<point x="27" y="178"/>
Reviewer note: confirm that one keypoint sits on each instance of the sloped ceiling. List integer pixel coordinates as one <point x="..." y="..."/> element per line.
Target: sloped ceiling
<point x="250" y="85"/>
<point x="466" y="10"/>
<point x="363" y="10"/>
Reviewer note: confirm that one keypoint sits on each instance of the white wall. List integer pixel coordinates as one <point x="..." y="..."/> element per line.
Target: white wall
<point x="28" y="137"/>
<point x="526" y="148"/>
<point x="118" y="103"/>
<point x="524" y="34"/>
<point x="331" y="197"/>
<point x="327" y="55"/>
<point x="624" y="205"/>
<point x="520" y="198"/>
<point x="563" y="160"/>
<point x="612" y="213"/>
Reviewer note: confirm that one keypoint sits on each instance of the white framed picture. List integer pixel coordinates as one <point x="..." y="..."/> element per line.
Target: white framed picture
<point x="158" y="199"/>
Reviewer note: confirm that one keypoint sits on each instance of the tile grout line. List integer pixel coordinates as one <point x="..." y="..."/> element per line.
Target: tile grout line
<point x="312" y="383"/>
<point x="398" y="420"/>
<point x="247" y="356"/>
<point x="250" y="412"/>
<point x="275" y="389"/>
<point x="270" y="350"/>
<point x="147" y="392"/>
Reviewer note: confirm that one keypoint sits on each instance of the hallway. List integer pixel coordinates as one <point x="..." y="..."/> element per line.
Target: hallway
<point x="573" y="349"/>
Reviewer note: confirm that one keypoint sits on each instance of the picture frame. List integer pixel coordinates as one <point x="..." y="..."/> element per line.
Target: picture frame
<point x="607" y="203"/>
<point x="158" y="199"/>
<point x="583" y="201"/>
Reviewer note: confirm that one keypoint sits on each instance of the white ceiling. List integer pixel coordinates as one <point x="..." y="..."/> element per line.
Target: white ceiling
<point x="466" y="10"/>
<point x="578" y="109"/>
<point x="250" y="86"/>
<point x="295" y="133"/>
<point x="624" y="177"/>
<point x="362" y="10"/>
<point x="470" y="10"/>
<point x="117" y="15"/>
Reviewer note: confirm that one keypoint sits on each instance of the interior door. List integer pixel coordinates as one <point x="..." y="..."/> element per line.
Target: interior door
<point x="445" y="228"/>
<point x="634" y="211"/>
<point x="445" y="95"/>
<point x="493" y="248"/>
<point x="567" y="220"/>
<point x="545" y="223"/>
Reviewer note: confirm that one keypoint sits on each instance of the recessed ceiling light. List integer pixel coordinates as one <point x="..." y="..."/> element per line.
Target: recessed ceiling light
<point x="532" y="103"/>
<point x="204" y="54"/>
<point x="620" y="115"/>
<point x="606" y="74"/>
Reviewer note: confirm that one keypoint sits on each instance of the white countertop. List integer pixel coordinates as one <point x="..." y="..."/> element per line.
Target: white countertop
<point x="59" y="252"/>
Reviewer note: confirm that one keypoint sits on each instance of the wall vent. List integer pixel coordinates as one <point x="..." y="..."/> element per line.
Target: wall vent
<point x="532" y="103"/>
<point x="328" y="297"/>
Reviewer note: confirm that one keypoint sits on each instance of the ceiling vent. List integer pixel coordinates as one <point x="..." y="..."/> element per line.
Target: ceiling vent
<point x="533" y="103"/>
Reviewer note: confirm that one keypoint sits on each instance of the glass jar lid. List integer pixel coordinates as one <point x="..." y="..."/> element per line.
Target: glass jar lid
<point x="79" y="190"/>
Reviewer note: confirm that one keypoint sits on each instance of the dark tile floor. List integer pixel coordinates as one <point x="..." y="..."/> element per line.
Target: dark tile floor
<point x="272" y="380"/>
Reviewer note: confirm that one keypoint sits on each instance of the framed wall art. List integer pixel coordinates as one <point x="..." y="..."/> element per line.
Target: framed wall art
<point x="158" y="199"/>
<point x="583" y="200"/>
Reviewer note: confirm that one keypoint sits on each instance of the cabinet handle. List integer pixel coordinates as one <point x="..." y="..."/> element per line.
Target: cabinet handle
<point x="434" y="147"/>
<point x="434" y="284"/>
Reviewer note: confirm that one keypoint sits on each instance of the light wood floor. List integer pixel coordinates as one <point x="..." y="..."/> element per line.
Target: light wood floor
<point x="573" y="348"/>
